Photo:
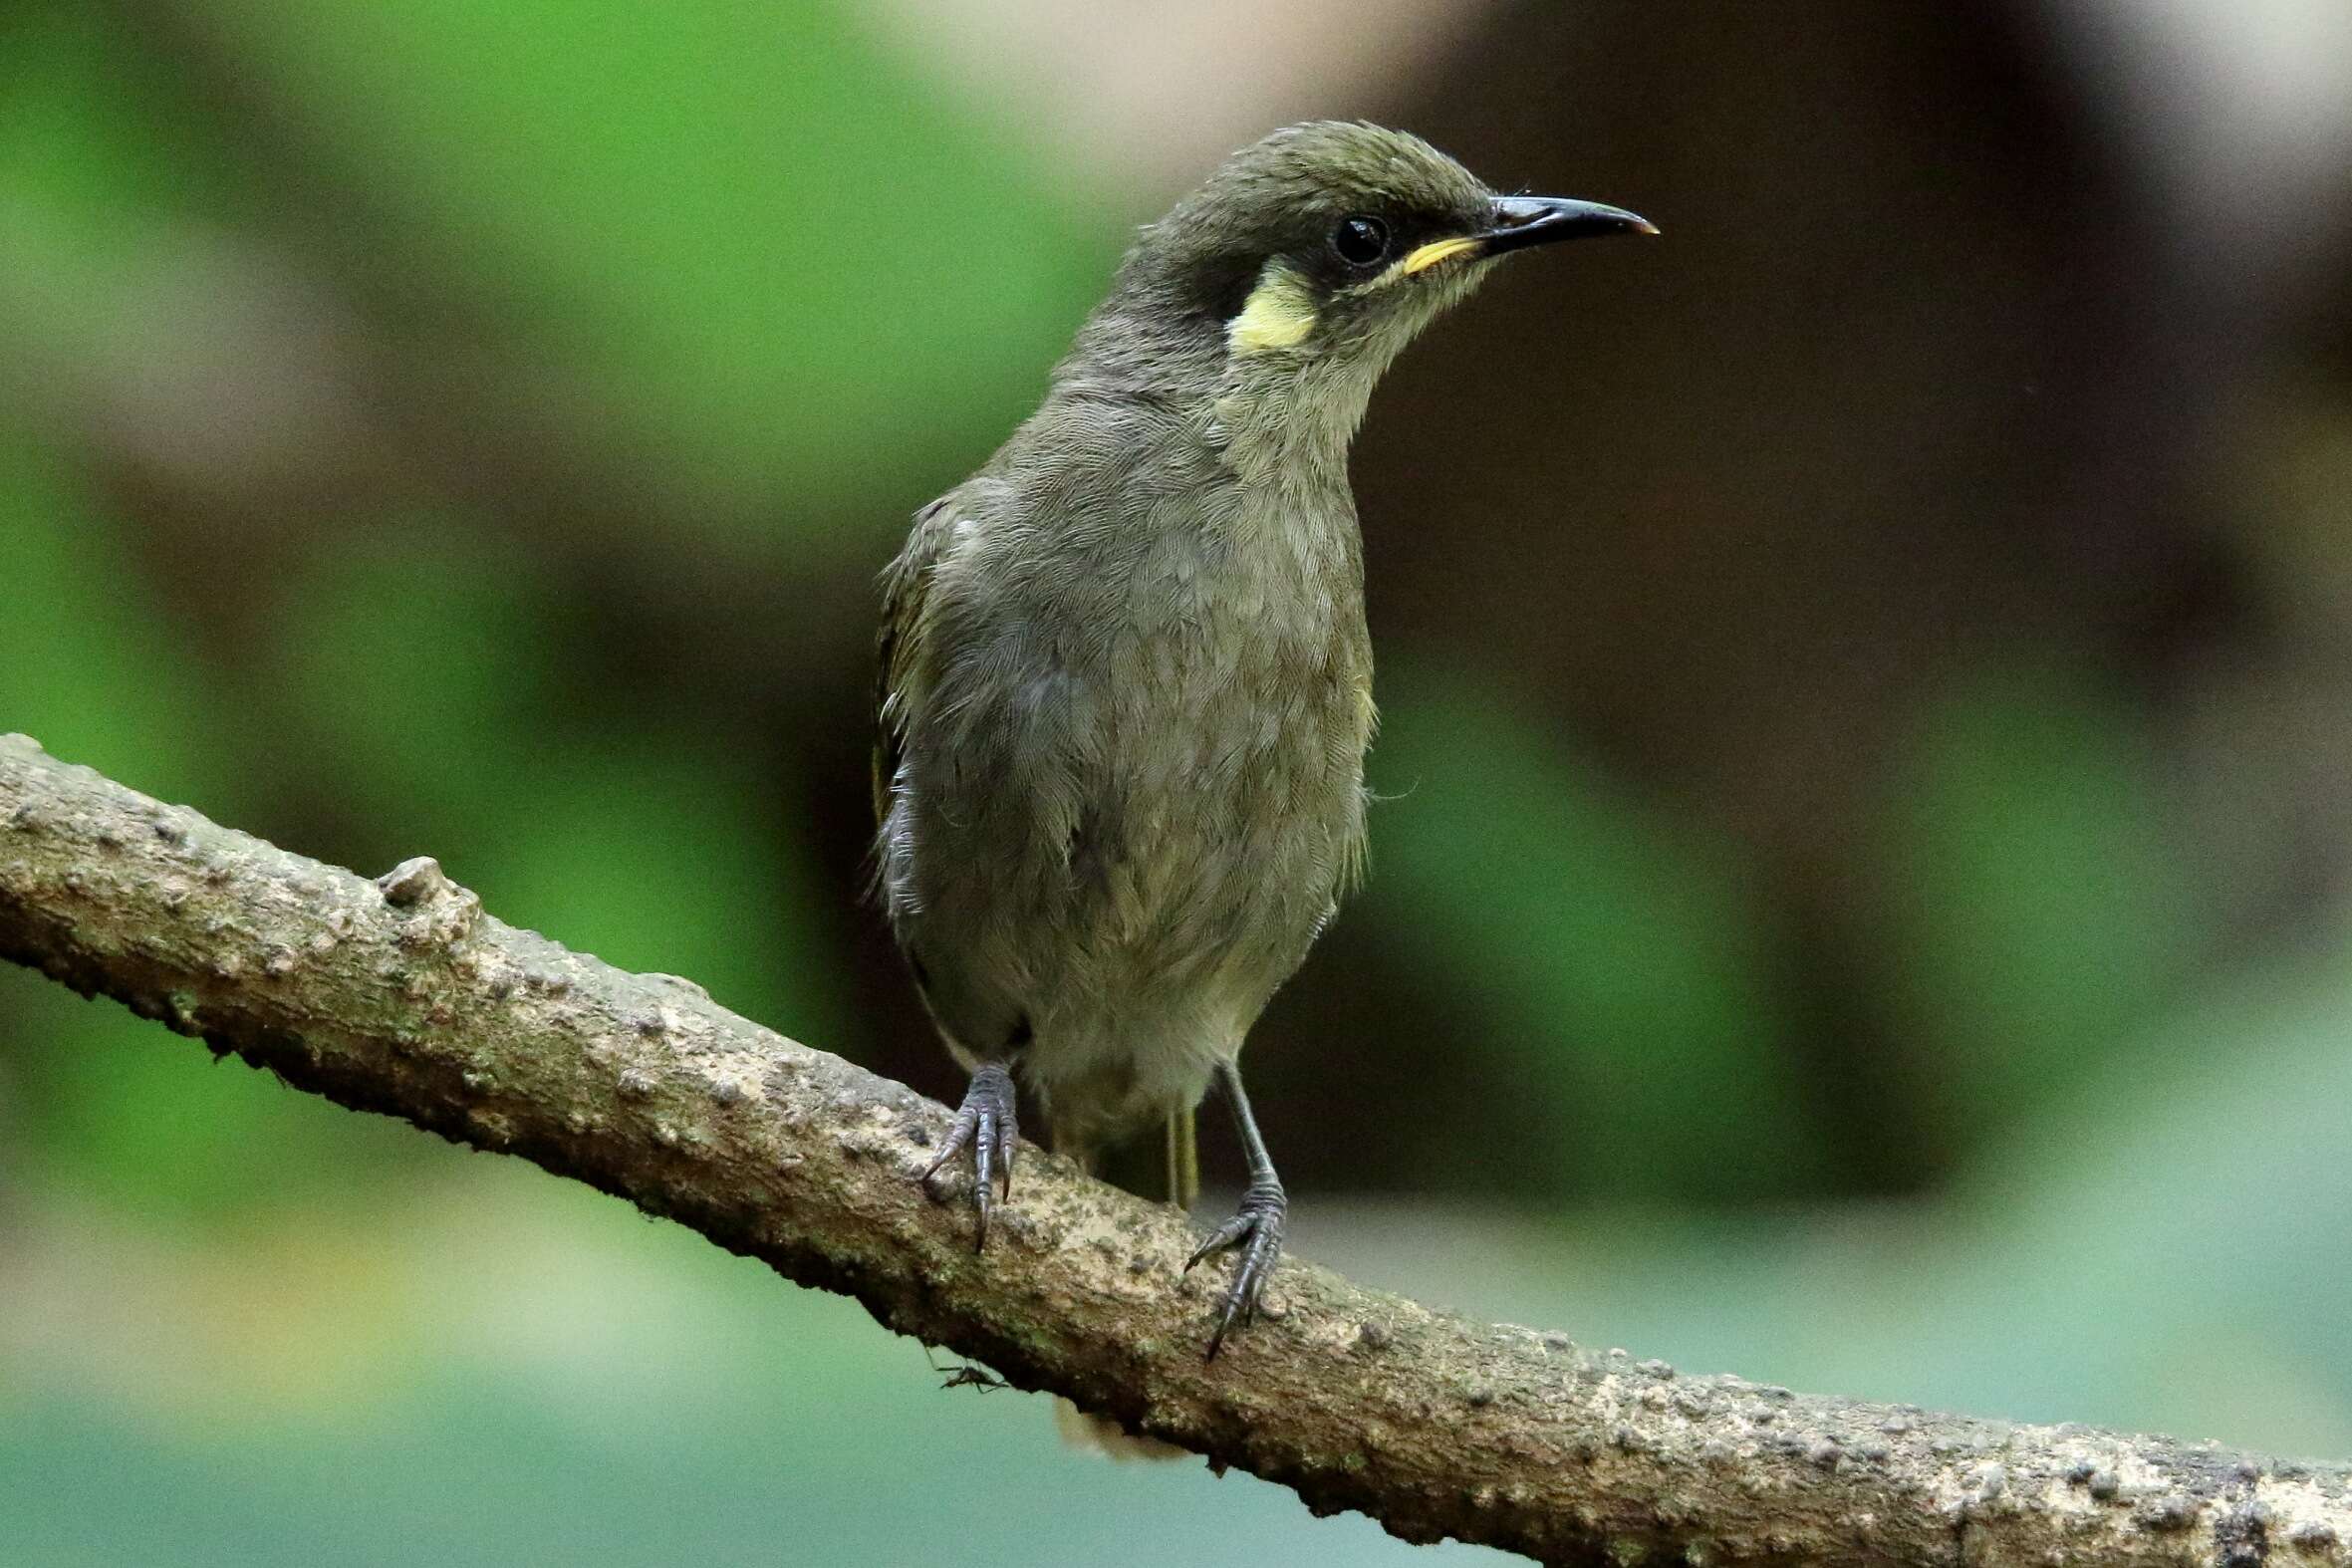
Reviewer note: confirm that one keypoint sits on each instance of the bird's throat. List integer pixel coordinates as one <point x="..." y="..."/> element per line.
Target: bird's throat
<point x="1291" y="423"/>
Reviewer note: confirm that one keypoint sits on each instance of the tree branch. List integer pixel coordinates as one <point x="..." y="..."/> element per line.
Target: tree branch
<point x="399" y="995"/>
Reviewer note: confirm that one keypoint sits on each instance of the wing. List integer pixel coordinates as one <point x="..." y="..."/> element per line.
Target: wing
<point x="900" y="653"/>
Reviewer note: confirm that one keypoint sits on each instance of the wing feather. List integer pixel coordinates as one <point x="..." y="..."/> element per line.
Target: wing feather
<point x="901" y="665"/>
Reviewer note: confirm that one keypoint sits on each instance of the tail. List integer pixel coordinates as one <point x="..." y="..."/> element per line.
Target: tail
<point x="1183" y="1159"/>
<point x="1101" y="1434"/>
<point x="1181" y="1185"/>
<point x="1175" y="1177"/>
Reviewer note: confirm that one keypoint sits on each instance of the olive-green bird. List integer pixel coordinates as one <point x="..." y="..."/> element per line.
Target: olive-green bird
<point x="1126" y="689"/>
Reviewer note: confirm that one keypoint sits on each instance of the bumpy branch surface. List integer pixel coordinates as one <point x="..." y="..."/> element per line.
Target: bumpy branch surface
<point x="399" y="995"/>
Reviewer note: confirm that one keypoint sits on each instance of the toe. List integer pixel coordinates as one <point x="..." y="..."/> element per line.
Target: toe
<point x="959" y="1133"/>
<point x="1258" y="1230"/>
<point x="985" y="1124"/>
<point x="1226" y="1235"/>
<point x="1007" y="1136"/>
<point x="983" y="1174"/>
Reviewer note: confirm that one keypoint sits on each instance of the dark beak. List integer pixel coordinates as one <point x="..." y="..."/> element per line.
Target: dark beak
<point x="1520" y="222"/>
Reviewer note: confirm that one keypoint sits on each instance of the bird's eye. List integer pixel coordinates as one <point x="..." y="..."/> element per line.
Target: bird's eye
<point x="1359" y="241"/>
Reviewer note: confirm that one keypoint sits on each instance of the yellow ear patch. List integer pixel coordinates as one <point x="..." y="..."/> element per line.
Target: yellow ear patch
<point x="1434" y="251"/>
<point x="1279" y="313"/>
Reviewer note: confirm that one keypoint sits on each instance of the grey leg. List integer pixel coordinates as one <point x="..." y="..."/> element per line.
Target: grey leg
<point x="1256" y="1228"/>
<point x="985" y="1122"/>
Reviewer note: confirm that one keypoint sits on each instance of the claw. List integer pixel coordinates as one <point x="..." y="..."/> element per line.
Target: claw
<point x="959" y="1133"/>
<point x="986" y="1124"/>
<point x="1258" y="1231"/>
<point x="1223" y="1236"/>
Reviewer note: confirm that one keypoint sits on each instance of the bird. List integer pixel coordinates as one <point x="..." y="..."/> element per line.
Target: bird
<point x="1125" y="685"/>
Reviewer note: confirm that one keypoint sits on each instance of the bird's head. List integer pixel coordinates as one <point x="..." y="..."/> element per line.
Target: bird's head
<point x="1311" y="257"/>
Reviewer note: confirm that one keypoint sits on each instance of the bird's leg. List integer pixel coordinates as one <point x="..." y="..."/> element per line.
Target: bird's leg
<point x="987" y="1123"/>
<point x="1255" y="1229"/>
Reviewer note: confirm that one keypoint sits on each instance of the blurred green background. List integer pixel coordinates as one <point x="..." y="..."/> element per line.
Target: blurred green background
<point x="1867" y="683"/>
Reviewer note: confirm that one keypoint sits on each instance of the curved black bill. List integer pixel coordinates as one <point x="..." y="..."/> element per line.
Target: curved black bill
<point x="1520" y="222"/>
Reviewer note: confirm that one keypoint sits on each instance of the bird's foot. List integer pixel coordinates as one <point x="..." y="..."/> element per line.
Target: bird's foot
<point x="986" y="1124"/>
<point x="1256" y="1229"/>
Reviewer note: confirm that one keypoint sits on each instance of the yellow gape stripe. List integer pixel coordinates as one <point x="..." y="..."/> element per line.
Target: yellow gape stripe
<point x="1278" y="315"/>
<point x="1434" y="251"/>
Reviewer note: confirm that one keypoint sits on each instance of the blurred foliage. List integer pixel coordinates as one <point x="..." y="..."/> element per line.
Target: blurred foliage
<point x="2035" y="915"/>
<point x="728" y="222"/>
<point x="87" y="648"/>
<point x="395" y="403"/>
<point x="1627" y="964"/>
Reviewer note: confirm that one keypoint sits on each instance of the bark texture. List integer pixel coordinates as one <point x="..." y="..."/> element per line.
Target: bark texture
<point x="400" y="995"/>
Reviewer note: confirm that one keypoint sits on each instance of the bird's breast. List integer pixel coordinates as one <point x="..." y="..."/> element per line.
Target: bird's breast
<point x="1238" y="712"/>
